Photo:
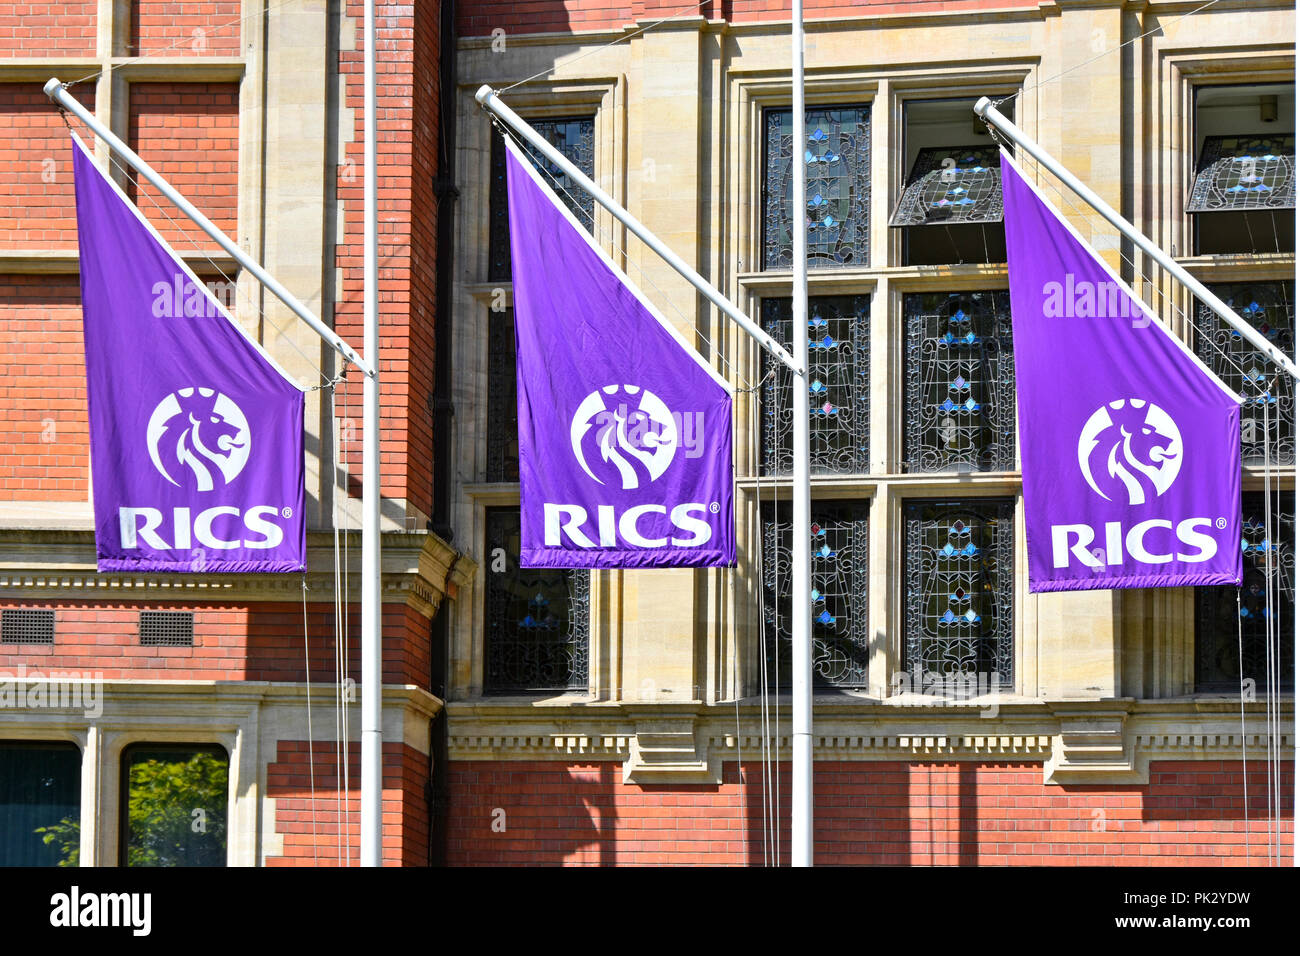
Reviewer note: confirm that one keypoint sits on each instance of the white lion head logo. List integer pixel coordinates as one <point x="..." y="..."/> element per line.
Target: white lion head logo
<point x="633" y="430"/>
<point x="199" y="432"/>
<point x="1130" y="448"/>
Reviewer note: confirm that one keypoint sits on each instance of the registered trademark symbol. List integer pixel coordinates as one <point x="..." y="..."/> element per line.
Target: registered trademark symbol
<point x="286" y="512"/>
<point x="713" y="507"/>
<point x="1220" y="523"/>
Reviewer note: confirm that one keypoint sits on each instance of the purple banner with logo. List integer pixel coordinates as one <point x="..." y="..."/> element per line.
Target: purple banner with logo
<point x="624" y="430"/>
<point x="1129" y="446"/>
<point x="196" y="440"/>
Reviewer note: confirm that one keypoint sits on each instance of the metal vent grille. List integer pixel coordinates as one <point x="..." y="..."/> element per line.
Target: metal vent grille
<point x="167" y="628"/>
<point x="27" y="626"/>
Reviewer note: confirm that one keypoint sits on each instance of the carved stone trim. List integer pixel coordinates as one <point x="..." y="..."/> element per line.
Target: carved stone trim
<point x="54" y="564"/>
<point x="1089" y="742"/>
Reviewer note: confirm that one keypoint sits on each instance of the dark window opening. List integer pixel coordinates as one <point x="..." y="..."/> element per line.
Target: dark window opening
<point x="40" y="803"/>
<point x="950" y="208"/>
<point x="536" y="619"/>
<point x="502" y="399"/>
<point x="575" y="138"/>
<point x="1231" y="626"/>
<point x="174" y="804"/>
<point x="1243" y="191"/>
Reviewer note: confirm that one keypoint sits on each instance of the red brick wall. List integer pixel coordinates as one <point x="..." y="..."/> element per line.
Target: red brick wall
<point x="188" y="132"/>
<point x="326" y="835"/>
<point x="261" y="641"/>
<point x="190" y="28"/>
<point x="44" y="443"/>
<point x="886" y="813"/>
<point x="407" y="52"/>
<point x="37" y="204"/>
<point x="34" y="29"/>
<point x="563" y="16"/>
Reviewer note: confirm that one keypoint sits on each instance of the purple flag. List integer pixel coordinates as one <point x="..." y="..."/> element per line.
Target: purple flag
<point x="196" y="443"/>
<point x="1129" y="446"/>
<point x="624" y="430"/>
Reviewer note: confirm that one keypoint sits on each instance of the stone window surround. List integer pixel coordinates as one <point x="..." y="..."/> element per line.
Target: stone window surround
<point x="477" y="302"/>
<point x="248" y="719"/>
<point x="1170" y="634"/>
<point x="886" y="485"/>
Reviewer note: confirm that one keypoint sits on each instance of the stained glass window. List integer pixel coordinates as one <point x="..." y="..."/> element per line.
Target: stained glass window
<point x="1220" y="664"/>
<point x="1268" y="306"/>
<point x="502" y="399"/>
<point x="40" y="803"/>
<point x="960" y="409"/>
<point x="536" y="619"/>
<point x="836" y="150"/>
<point x="959" y="574"/>
<point x="575" y="137"/>
<point x="839" y="332"/>
<point x="839" y="597"/>
<point x="1244" y="172"/>
<point x="952" y="184"/>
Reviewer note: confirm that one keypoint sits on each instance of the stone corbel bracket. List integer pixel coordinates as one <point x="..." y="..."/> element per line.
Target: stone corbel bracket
<point x="664" y="749"/>
<point x="1091" y="747"/>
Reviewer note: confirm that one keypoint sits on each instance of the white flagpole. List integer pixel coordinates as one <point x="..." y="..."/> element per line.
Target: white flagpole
<point x="371" y="611"/>
<point x="61" y="97"/>
<point x="489" y="100"/>
<point x="797" y="362"/>
<point x="985" y="109"/>
<point x="801" y="765"/>
<point x="372" y="661"/>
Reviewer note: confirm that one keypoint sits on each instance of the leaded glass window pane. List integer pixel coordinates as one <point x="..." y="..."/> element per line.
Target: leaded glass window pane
<point x="1244" y="172"/>
<point x="40" y="803"/>
<point x="952" y="184"/>
<point x="162" y="787"/>
<point x="839" y="580"/>
<point x="836" y="149"/>
<point x="575" y="138"/>
<point x="1220" y="664"/>
<point x="536" y="619"/>
<point x="502" y="399"/>
<point x="1268" y="306"/>
<point x="839" y="333"/>
<point x="959" y="578"/>
<point x="960" y="409"/>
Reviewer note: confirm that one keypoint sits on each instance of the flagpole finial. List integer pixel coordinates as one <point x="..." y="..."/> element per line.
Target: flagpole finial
<point x="982" y="107"/>
<point x="53" y="86"/>
<point x="485" y="92"/>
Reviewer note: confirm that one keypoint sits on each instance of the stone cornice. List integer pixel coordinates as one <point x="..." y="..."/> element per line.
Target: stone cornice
<point x="419" y="569"/>
<point x="1077" y="741"/>
<point x="132" y="695"/>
